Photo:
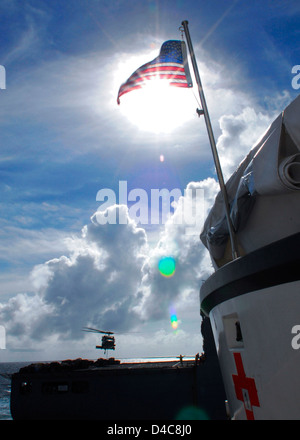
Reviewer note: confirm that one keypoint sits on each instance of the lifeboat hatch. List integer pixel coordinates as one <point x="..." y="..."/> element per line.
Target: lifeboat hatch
<point x="233" y="331"/>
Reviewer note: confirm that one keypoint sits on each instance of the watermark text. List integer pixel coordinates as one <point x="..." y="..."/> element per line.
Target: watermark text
<point x="155" y="208"/>
<point x="2" y="77"/>
<point x="2" y="338"/>
<point x="296" y="78"/>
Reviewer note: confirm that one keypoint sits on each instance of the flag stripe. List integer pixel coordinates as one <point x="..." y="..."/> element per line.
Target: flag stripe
<point x="166" y="70"/>
<point x="162" y="66"/>
<point x="157" y="69"/>
<point x="129" y="88"/>
<point x="156" y="76"/>
<point x="141" y="83"/>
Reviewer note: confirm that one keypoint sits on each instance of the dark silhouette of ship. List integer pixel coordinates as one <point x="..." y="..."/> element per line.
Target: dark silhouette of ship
<point x="107" y="389"/>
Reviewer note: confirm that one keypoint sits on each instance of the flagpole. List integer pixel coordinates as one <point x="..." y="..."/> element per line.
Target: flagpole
<point x="204" y="111"/>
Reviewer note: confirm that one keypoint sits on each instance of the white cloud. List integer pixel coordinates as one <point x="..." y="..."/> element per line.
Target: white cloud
<point x="107" y="280"/>
<point x="240" y="132"/>
<point x="27" y="42"/>
<point x="96" y="283"/>
<point x="180" y="291"/>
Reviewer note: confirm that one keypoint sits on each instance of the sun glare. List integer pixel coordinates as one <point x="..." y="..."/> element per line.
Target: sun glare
<point x="157" y="107"/>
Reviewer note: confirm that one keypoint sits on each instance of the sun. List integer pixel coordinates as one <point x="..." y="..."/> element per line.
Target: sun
<point x="158" y="107"/>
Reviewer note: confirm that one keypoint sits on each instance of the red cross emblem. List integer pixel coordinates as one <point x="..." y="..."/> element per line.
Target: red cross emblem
<point x="245" y="388"/>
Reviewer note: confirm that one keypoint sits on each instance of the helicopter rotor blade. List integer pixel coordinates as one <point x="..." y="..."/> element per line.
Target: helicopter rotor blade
<point x="95" y="330"/>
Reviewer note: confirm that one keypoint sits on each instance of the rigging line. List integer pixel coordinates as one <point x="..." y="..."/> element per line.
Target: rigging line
<point x="181" y="30"/>
<point x="195" y="97"/>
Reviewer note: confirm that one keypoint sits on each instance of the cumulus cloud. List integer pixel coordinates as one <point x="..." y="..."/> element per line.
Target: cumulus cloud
<point x="191" y="261"/>
<point x="239" y="134"/>
<point x="95" y="284"/>
<point x="109" y="279"/>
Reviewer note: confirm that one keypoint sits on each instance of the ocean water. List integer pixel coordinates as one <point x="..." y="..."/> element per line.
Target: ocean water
<point x="5" y="386"/>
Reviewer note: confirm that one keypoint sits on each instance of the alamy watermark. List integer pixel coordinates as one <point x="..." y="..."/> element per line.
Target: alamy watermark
<point x="296" y="78"/>
<point x="2" y="77"/>
<point x="2" y="338"/>
<point x="158" y="207"/>
<point x="295" y="342"/>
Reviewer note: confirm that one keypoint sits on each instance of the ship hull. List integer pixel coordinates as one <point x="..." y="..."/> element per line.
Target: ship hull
<point x="154" y="391"/>
<point x="253" y="304"/>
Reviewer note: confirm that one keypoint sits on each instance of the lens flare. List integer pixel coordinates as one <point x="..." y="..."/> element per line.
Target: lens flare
<point x="174" y="322"/>
<point x="173" y="318"/>
<point x="192" y="413"/>
<point x="166" y="266"/>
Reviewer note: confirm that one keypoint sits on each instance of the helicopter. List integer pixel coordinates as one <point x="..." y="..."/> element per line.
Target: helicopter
<point x="108" y="341"/>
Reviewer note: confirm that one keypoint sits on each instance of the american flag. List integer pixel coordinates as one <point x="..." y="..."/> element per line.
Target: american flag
<point x="170" y="65"/>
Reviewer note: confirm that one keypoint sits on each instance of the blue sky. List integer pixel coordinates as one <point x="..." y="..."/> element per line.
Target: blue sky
<point x="63" y="138"/>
